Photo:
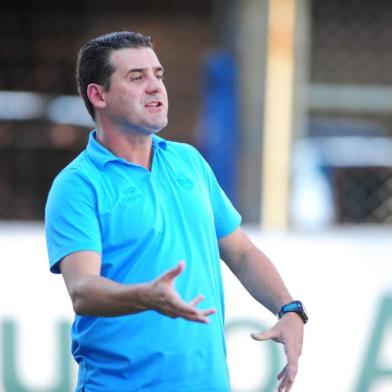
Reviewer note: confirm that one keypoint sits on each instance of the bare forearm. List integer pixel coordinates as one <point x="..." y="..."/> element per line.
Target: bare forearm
<point x="97" y="296"/>
<point x="260" y="277"/>
<point x="262" y="280"/>
<point x="94" y="295"/>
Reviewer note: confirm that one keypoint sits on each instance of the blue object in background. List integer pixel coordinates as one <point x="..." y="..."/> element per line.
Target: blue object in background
<point x="219" y="120"/>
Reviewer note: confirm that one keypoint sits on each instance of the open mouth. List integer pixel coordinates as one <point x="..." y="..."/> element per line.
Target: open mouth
<point x="153" y="104"/>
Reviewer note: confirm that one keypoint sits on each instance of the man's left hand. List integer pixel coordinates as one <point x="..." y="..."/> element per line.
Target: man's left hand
<point x="288" y="331"/>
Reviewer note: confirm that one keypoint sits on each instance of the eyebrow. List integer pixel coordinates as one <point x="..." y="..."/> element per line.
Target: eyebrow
<point x="137" y="70"/>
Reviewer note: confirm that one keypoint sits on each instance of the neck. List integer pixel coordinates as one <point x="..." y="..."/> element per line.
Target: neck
<point x="133" y="148"/>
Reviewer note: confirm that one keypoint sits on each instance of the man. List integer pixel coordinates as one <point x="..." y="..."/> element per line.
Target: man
<point x="137" y="226"/>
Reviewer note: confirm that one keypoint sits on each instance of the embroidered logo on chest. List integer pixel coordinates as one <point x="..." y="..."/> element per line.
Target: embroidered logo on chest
<point x="130" y="195"/>
<point x="184" y="181"/>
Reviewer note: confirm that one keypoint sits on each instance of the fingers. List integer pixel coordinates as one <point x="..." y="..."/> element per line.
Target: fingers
<point x="172" y="305"/>
<point x="287" y="376"/>
<point x="204" y="312"/>
<point x="201" y="317"/>
<point x="208" y="312"/>
<point x="285" y="386"/>
<point x="167" y="301"/>
<point x="289" y="332"/>
<point x="281" y="374"/>
<point x="192" y="314"/>
<point x="196" y="301"/>
<point x="189" y="311"/>
<point x="289" y="372"/>
<point x="293" y="352"/>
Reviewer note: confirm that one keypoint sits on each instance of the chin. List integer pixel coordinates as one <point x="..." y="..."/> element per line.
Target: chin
<point x="156" y="130"/>
<point x="158" y="127"/>
<point x="145" y="129"/>
<point x="151" y="130"/>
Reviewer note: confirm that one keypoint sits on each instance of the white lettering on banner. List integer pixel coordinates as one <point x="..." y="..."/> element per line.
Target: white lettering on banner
<point x="343" y="277"/>
<point x="376" y="373"/>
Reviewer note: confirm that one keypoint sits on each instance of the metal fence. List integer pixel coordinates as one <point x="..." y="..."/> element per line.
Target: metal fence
<point x="351" y="81"/>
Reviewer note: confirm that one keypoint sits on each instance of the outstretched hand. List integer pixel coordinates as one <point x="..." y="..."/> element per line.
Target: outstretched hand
<point x="164" y="298"/>
<point x="288" y="331"/>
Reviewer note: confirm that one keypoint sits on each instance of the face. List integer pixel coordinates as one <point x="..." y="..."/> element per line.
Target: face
<point x="137" y="99"/>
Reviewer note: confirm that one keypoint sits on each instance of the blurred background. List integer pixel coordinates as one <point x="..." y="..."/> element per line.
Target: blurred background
<point x="290" y="101"/>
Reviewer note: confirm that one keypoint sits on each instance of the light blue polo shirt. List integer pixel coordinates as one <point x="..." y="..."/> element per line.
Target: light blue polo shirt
<point x="142" y="223"/>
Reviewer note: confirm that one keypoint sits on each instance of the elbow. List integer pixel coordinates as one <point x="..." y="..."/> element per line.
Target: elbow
<point x="79" y="299"/>
<point x="79" y="307"/>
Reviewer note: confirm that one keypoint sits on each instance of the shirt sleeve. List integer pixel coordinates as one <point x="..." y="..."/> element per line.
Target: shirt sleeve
<point x="71" y="222"/>
<point x="226" y="217"/>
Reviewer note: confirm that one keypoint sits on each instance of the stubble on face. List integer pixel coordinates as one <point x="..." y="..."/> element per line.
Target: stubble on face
<point x="137" y="99"/>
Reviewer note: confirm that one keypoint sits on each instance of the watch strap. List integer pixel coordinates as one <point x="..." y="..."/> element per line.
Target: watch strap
<point x="296" y="307"/>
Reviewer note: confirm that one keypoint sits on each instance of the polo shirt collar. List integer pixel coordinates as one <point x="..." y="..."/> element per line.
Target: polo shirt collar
<point x="100" y="155"/>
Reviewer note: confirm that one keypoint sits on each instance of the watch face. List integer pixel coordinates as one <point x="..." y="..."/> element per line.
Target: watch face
<point x="303" y="312"/>
<point x="304" y="316"/>
<point x="295" y="306"/>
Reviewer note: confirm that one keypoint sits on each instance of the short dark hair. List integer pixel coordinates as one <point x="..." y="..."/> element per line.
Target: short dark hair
<point x="93" y="65"/>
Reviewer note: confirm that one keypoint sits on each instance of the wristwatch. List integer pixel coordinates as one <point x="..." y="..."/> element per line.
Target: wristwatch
<point x="296" y="307"/>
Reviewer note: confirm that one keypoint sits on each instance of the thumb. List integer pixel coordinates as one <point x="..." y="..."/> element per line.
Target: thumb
<point x="174" y="272"/>
<point x="265" y="335"/>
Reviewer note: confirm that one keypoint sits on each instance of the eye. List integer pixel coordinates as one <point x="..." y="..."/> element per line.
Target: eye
<point x="136" y="78"/>
<point x="160" y="76"/>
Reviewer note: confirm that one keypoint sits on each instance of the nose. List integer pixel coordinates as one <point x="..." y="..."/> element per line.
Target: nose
<point x="154" y="85"/>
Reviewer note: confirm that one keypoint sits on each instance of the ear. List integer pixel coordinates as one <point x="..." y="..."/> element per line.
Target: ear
<point x="95" y="95"/>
